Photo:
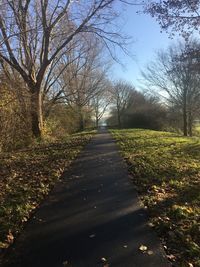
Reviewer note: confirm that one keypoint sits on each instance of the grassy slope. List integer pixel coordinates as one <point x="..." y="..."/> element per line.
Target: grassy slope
<point x="27" y="176"/>
<point x="166" y="171"/>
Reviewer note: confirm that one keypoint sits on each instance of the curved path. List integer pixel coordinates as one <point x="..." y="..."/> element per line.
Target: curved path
<point x="91" y="219"/>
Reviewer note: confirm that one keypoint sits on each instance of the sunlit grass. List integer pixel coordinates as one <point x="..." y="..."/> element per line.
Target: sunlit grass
<point x="166" y="171"/>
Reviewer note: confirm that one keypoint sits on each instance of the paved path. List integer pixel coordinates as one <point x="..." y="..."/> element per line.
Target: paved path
<point x="93" y="214"/>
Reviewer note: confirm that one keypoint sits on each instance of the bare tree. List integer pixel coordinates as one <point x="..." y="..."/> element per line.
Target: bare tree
<point x="54" y="87"/>
<point x="180" y="16"/>
<point x="34" y="33"/>
<point x="84" y="79"/>
<point x="174" y="73"/>
<point x="101" y="101"/>
<point x="121" y="94"/>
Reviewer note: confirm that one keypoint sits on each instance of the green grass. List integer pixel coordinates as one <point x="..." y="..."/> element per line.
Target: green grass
<point x="197" y="129"/>
<point x="166" y="171"/>
<point x="27" y="176"/>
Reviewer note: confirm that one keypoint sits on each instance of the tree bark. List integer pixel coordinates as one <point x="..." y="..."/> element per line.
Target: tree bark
<point x="81" y="124"/>
<point x="81" y="120"/>
<point x="119" y="118"/>
<point x="36" y="113"/>
<point x="185" y="127"/>
<point x="97" y="122"/>
<point x="190" y="123"/>
<point x="185" y="132"/>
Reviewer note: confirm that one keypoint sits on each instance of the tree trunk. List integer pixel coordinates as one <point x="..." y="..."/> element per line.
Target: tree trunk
<point x="190" y="123"/>
<point x="119" y="118"/>
<point x="185" y="127"/>
<point x="185" y="132"/>
<point x="81" y="123"/>
<point x="36" y="114"/>
<point x="81" y="120"/>
<point x="97" y="122"/>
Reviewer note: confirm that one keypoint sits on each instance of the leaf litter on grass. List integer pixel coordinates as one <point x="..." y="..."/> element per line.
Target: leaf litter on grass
<point x="27" y="176"/>
<point x="165" y="170"/>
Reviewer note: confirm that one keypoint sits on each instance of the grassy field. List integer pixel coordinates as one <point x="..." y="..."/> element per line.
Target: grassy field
<point x="26" y="178"/>
<point x="166" y="172"/>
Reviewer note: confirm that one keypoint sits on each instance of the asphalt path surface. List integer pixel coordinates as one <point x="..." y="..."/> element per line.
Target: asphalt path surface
<point x="91" y="219"/>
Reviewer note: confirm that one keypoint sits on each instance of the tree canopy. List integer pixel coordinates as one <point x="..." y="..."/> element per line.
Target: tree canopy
<point x="179" y="16"/>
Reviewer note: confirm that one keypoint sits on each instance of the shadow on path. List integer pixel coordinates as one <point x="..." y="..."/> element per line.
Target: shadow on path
<point x="92" y="214"/>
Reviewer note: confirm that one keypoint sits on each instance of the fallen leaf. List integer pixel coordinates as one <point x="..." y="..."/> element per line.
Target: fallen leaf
<point x="10" y="237"/>
<point x="151" y="224"/>
<point x="150" y="252"/>
<point x="65" y="263"/>
<point x="92" y="236"/>
<point x="143" y="248"/>
<point x="171" y="257"/>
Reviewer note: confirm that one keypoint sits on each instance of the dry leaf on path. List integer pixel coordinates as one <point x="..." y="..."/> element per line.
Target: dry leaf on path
<point x="171" y="257"/>
<point x="103" y="259"/>
<point x="143" y="248"/>
<point x="10" y="237"/>
<point x="92" y="236"/>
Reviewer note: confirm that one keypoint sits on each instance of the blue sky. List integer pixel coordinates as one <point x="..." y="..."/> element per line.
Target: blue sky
<point x="147" y="37"/>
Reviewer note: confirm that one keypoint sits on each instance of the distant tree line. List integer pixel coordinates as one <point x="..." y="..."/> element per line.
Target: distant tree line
<point x="172" y="80"/>
<point x="176" y="71"/>
<point x="170" y="99"/>
<point x="54" y="70"/>
<point x="133" y="109"/>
